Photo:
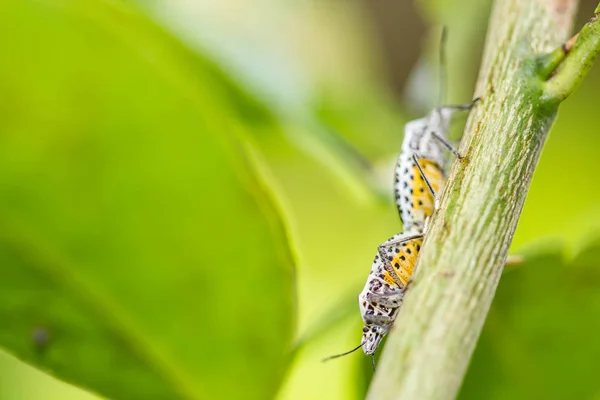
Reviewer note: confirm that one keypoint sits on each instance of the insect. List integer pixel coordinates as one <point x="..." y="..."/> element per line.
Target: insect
<point x="419" y="175"/>
<point x="384" y="291"/>
<point x="386" y="285"/>
<point x="419" y="172"/>
<point x="422" y="161"/>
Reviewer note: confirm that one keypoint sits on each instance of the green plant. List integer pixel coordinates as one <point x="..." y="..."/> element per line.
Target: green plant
<point x="165" y="233"/>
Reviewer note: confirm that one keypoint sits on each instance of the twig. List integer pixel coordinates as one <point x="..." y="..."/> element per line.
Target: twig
<point x="579" y="55"/>
<point x="461" y="261"/>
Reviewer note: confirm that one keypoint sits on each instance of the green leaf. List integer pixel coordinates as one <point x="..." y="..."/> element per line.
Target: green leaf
<point x="20" y="381"/>
<point x="140" y="257"/>
<point x="540" y="337"/>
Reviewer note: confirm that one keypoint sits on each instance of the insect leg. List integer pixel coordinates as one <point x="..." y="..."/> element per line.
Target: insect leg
<point x="389" y="300"/>
<point x="379" y="320"/>
<point x="416" y="160"/>
<point x="453" y="107"/>
<point x="443" y="141"/>
<point x="373" y="362"/>
<point x="396" y="241"/>
<point x="461" y="107"/>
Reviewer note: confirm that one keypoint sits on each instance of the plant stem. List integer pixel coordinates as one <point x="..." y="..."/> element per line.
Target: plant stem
<point x="577" y="62"/>
<point x="465" y="249"/>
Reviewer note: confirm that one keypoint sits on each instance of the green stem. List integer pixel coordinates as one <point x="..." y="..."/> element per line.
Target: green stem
<point x="465" y="248"/>
<point x="576" y="64"/>
<point x="548" y="63"/>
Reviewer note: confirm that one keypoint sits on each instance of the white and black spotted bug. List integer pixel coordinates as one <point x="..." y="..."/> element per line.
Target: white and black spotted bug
<point x="421" y="165"/>
<point x="384" y="291"/>
<point x="419" y="174"/>
<point x="420" y="169"/>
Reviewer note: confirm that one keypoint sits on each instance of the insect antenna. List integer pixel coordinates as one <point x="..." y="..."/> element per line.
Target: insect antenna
<point x="442" y="71"/>
<point x="373" y="361"/>
<point x="342" y="354"/>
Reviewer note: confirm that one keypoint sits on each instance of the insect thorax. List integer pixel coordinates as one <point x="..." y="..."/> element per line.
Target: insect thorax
<point x="420" y="140"/>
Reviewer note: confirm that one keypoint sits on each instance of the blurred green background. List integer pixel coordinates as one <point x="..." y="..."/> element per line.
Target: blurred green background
<point x="157" y="157"/>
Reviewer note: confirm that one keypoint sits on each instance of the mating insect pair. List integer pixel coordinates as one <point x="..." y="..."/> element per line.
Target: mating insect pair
<point x="419" y="175"/>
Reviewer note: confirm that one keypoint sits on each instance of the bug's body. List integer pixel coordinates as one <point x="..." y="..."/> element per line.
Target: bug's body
<point x="384" y="291"/>
<point x="414" y="188"/>
<point x="419" y="175"/>
<point x="414" y="200"/>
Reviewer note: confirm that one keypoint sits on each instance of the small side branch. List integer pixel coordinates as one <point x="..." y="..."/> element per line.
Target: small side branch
<point x="567" y="66"/>
<point x="549" y="63"/>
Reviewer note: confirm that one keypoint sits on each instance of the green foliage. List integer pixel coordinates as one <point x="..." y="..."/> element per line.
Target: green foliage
<point x="540" y="337"/>
<point x="140" y="257"/>
<point x="138" y="237"/>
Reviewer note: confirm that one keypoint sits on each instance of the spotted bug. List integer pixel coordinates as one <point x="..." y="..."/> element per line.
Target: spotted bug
<point x="419" y="172"/>
<point x="419" y="175"/>
<point x="384" y="291"/>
